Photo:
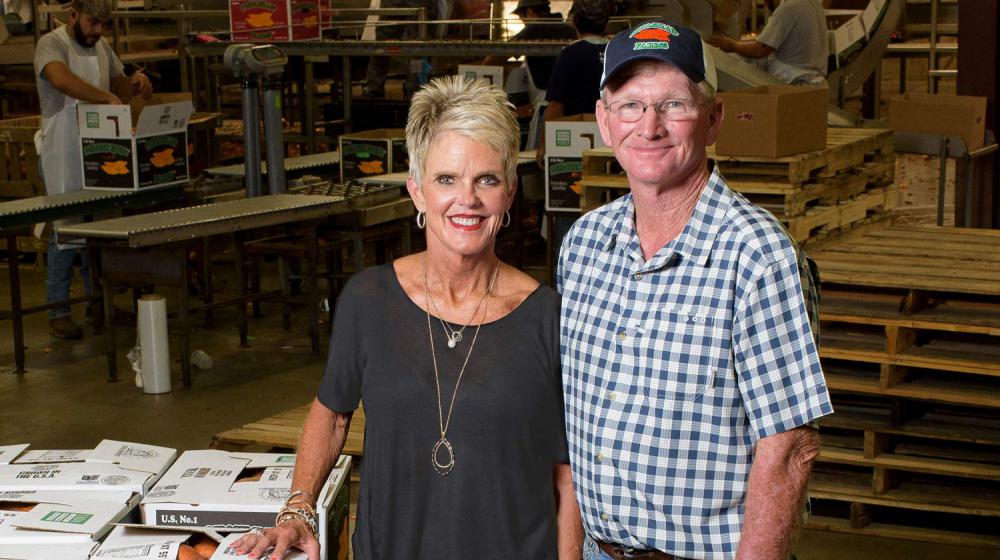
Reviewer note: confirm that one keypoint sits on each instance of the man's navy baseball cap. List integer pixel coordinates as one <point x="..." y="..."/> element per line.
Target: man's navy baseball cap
<point x="653" y="40"/>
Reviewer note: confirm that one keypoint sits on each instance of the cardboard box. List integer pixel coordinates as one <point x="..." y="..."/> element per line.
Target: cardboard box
<point x="240" y="491"/>
<point x="75" y="551"/>
<point x="227" y="552"/>
<point x="135" y="147"/>
<point x="141" y="542"/>
<point x="43" y="523"/>
<point x="267" y="21"/>
<point x="373" y="152"/>
<point x="113" y="466"/>
<point x="773" y="121"/>
<point x="565" y="141"/>
<point x="847" y="30"/>
<point x="963" y="116"/>
<point x="492" y="74"/>
<point x="10" y="452"/>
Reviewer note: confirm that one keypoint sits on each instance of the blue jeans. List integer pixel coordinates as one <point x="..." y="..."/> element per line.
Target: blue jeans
<point x="60" y="275"/>
<point x="591" y="551"/>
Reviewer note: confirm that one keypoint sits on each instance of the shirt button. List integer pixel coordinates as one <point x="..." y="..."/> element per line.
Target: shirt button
<point x="612" y="396"/>
<point x="621" y="336"/>
<point x="600" y="457"/>
<point x="604" y="517"/>
<point x="638" y="276"/>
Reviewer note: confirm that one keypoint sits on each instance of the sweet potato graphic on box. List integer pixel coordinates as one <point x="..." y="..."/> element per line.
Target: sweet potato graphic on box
<point x="260" y="19"/>
<point x="163" y="158"/>
<point x="374" y="167"/>
<point x="116" y="167"/>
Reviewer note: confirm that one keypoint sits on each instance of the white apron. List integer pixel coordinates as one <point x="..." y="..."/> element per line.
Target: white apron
<point x="58" y="139"/>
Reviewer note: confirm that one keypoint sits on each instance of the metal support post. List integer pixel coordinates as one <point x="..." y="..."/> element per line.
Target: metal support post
<point x="251" y="138"/>
<point x="273" y="138"/>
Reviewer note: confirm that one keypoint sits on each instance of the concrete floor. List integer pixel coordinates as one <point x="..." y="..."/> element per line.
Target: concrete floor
<point x="64" y="401"/>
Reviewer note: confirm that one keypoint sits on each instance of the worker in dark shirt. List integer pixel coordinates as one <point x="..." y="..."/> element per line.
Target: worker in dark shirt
<point x="574" y="87"/>
<point x="530" y="12"/>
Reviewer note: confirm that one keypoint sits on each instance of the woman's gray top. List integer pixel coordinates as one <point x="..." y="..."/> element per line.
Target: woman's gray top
<point x="506" y="429"/>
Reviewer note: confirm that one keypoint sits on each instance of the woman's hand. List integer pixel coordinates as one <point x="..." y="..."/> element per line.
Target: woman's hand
<point x="292" y="533"/>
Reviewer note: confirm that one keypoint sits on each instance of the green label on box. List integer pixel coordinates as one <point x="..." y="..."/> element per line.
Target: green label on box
<point x="67" y="517"/>
<point x="93" y="120"/>
<point x="285" y="459"/>
<point x="564" y="138"/>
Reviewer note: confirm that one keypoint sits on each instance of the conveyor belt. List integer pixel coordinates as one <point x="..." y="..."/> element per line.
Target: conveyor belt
<point x="209" y="219"/>
<point x="291" y="164"/>
<point x="28" y="211"/>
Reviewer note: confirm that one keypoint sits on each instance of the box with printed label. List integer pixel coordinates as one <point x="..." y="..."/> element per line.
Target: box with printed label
<point x="847" y="30"/>
<point x="772" y="121"/>
<point x="38" y="520"/>
<point x="565" y="141"/>
<point x="492" y="74"/>
<point x="373" y="152"/>
<point x="141" y="542"/>
<point x="137" y="146"/>
<point x="228" y="491"/>
<point x="112" y="466"/>
<point x="267" y="21"/>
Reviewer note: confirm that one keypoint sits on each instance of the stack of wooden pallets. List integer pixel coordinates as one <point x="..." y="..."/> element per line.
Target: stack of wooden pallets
<point x="910" y="323"/>
<point x="814" y="194"/>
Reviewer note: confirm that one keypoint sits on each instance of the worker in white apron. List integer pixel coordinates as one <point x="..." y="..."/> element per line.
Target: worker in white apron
<point x="73" y="65"/>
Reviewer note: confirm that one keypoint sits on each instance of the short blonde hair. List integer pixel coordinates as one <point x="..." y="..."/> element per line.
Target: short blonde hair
<point x="472" y="108"/>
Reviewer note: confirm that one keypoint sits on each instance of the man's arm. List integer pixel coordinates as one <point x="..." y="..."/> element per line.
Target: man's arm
<point x="568" y="521"/>
<point x="64" y="80"/>
<point x="776" y="493"/>
<point x="748" y="49"/>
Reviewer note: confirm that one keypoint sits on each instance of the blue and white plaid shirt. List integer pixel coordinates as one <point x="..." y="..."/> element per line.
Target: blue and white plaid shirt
<point x="675" y="367"/>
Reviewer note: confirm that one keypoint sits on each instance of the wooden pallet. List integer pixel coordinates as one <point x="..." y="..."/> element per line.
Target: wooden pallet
<point x="873" y="205"/>
<point x="918" y="260"/>
<point x="19" y="176"/>
<point x="845" y="148"/>
<point x="282" y="431"/>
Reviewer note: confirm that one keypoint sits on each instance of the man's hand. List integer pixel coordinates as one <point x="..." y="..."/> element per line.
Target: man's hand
<point x="111" y="99"/>
<point x="723" y="43"/>
<point x="139" y="84"/>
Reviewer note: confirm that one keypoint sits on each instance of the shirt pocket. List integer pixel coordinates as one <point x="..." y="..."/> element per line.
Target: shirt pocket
<point x="688" y="349"/>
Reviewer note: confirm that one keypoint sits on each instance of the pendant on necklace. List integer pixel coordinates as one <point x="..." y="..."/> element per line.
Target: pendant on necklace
<point x="443" y="469"/>
<point x="454" y="339"/>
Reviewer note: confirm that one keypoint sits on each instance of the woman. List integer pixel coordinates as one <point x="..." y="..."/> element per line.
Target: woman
<point x="456" y="355"/>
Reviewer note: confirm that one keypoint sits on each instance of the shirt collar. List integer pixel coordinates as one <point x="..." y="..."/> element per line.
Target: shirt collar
<point x="696" y="239"/>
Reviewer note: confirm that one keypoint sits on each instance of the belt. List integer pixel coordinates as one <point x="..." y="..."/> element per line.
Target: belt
<point x="622" y="552"/>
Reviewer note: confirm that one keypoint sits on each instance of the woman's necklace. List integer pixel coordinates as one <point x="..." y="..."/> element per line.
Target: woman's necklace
<point x="454" y="336"/>
<point x="443" y="422"/>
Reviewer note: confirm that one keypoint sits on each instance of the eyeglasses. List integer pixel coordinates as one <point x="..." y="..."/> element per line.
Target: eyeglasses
<point x="670" y="109"/>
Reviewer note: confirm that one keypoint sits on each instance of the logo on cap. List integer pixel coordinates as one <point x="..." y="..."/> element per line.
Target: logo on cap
<point x="653" y="35"/>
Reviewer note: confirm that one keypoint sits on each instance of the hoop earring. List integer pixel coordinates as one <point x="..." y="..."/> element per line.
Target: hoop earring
<point x="505" y="221"/>
<point x="421" y="220"/>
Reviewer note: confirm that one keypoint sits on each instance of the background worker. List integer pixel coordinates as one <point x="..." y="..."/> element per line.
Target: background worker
<point x="74" y="64"/>
<point x="540" y="23"/>
<point x="793" y="47"/>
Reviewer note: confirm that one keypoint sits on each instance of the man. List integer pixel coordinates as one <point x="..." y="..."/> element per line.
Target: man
<point x="74" y="64"/>
<point x="21" y="9"/>
<point x="793" y="46"/>
<point x="378" y="66"/>
<point x="689" y="365"/>
<point x="539" y="24"/>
